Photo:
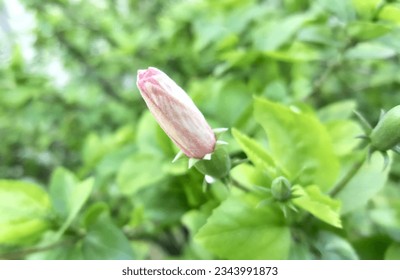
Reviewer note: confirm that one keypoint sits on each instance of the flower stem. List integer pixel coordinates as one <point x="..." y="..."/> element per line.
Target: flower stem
<point x="341" y="184"/>
<point x="238" y="185"/>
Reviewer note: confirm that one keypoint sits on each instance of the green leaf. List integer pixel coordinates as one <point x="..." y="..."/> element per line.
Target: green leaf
<point x="317" y="34"/>
<point x="96" y="148"/>
<point x="393" y="252"/>
<point x="341" y="128"/>
<point x="24" y="208"/>
<point x="390" y="13"/>
<point x="271" y="37"/>
<point x="343" y="134"/>
<point x="341" y="110"/>
<point x="92" y="213"/>
<point x="193" y="220"/>
<point x="255" y="152"/>
<point x="93" y="149"/>
<point x="250" y="176"/>
<point x="361" y="30"/>
<point x="208" y="31"/>
<point x="299" y="143"/>
<point x="71" y="250"/>
<point x="296" y="52"/>
<point x="388" y="219"/>
<point x="230" y="102"/>
<point x="300" y="251"/>
<point x="372" y="246"/>
<point x="334" y="247"/>
<point x="105" y="241"/>
<point x="318" y="204"/>
<point x="237" y="229"/>
<point x="68" y="195"/>
<point x="276" y="91"/>
<point x="139" y="171"/>
<point x="109" y="165"/>
<point x="147" y="134"/>
<point x="366" y="8"/>
<point x="79" y="196"/>
<point x="164" y="203"/>
<point x="62" y="184"/>
<point x="151" y="139"/>
<point x="343" y="9"/>
<point x="370" y="50"/>
<point x="364" y="185"/>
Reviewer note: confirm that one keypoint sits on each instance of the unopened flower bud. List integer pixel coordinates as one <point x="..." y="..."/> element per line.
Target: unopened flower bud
<point x="386" y="134"/>
<point x="176" y="113"/>
<point x="281" y="189"/>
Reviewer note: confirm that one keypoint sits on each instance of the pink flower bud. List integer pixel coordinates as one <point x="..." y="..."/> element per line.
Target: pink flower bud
<point x="176" y="113"/>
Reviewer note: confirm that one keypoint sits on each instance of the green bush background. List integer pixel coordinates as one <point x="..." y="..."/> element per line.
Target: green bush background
<point x="86" y="172"/>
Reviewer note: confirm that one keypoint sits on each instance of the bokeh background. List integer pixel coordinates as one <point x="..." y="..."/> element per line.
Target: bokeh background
<point x="68" y="96"/>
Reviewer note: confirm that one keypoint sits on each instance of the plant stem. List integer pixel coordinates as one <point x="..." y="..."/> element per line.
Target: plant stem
<point x="319" y="82"/>
<point x="333" y="66"/>
<point x="238" y="185"/>
<point x="347" y="177"/>
<point x="19" y="254"/>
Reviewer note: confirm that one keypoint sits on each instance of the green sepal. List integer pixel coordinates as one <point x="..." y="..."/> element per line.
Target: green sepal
<point x="218" y="166"/>
<point x="386" y="134"/>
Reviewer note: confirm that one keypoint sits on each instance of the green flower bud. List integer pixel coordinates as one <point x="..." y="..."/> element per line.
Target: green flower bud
<point x="218" y="166"/>
<point x="281" y="189"/>
<point x="386" y="134"/>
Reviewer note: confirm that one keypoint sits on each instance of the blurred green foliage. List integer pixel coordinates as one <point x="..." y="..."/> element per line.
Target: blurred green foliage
<point x="86" y="172"/>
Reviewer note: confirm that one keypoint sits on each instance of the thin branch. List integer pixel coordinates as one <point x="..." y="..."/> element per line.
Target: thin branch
<point x="19" y="254"/>
<point x="238" y="185"/>
<point x="347" y="177"/>
<point x="81" y="58"/>
<point x="333" y="66"/>
<point x="319" y="82"/>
